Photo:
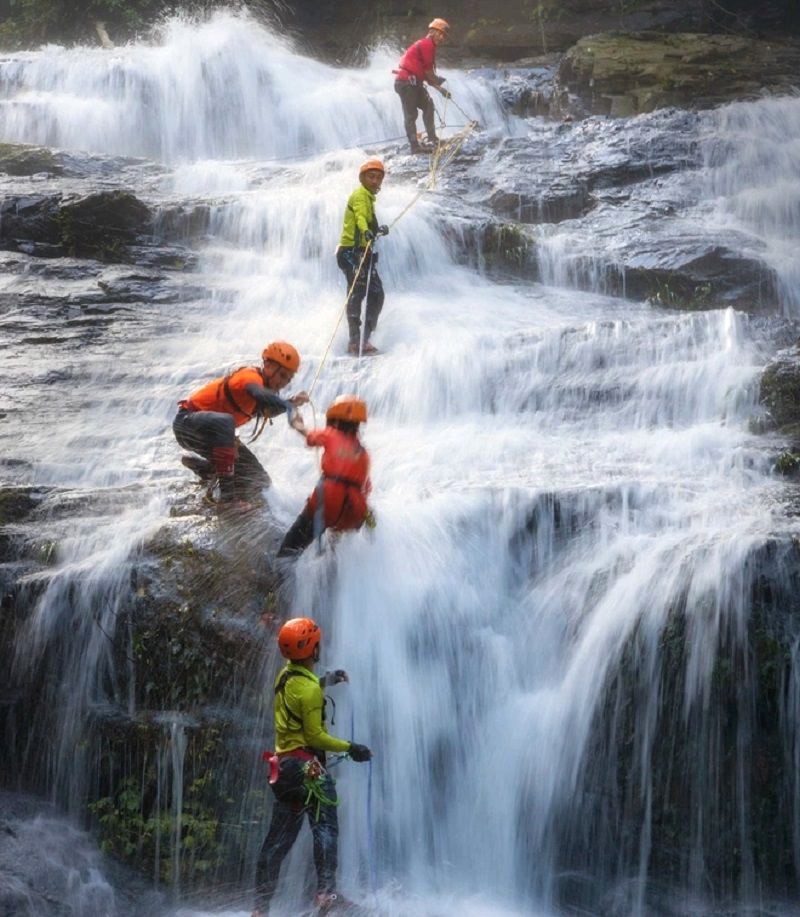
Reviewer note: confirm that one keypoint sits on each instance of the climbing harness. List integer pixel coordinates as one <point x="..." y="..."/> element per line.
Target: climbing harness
<point x="263" y="419"/>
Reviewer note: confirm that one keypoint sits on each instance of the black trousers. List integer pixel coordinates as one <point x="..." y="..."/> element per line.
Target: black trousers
<point x="287" y="819"/>
<point x="414" y="97"/>
<point x="203" y="431"/>
<point x="348" y="260"/>
<point x="299" y="536"/>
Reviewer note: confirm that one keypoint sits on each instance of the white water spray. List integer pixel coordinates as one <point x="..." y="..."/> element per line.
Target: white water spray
<point x="553" y="471"/>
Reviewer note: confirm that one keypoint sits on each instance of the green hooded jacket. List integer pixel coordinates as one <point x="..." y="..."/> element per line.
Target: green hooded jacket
<point x="299" y="703"/>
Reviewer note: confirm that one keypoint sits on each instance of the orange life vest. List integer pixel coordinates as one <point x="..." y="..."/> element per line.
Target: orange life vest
<point x="227" y="395"/>
<point x="344" y="459"/>
<point x="345" y="480"/>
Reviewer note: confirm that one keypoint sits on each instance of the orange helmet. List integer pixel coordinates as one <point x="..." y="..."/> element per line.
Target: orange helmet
<point x="298" y="638"/>
<point x="349" y="408"/>
<point x="441" y="25"/>
<point x="283" y="354"/>
<point x="371" y="164"/>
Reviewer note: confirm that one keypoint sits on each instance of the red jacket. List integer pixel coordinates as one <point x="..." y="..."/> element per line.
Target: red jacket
<point x="345" y="484"/>
<point x="419" y="60"/>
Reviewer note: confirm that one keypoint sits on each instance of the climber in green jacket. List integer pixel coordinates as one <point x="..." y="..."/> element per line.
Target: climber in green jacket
<point x="358" y="235"/>
<point x="299" y="781"/>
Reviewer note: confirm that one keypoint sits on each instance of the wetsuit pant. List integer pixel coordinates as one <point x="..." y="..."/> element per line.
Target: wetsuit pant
<point x="348" y="260"/>
<point x="344" y="510"/>
<point x="212" y="435"/>
<point x="287" y="819"/>
<point x="413" y="97"/>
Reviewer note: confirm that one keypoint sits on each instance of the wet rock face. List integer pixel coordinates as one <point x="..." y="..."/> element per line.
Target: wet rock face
<point x="190" y="648"/>
<point x="99" y="225"/>
<point x="621" y="75"/>
<point x="604" y="204"/>
<point x="20" y="159"/>
<point x="780" y="391"/>
<point x="740" y="731"/>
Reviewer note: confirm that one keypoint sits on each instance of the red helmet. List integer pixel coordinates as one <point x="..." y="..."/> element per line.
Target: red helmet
<point x="283" y="354"/>
<point x="349" y="408"/>
<point x="298" y="638"/>
<point x="441" y="25"/>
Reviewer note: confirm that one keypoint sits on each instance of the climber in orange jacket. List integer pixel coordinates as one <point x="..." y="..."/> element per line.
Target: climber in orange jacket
<point x="417" y="67"/>
<point x="339" y="501"/>
<point x="207" y="420"/>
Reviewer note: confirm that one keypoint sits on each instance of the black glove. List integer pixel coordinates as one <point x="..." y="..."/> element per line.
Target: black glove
<point x="358" y="752"/>
<point x="369" y="235"/>
<point x="383" y="230"/>
<point x="446" y="93"/>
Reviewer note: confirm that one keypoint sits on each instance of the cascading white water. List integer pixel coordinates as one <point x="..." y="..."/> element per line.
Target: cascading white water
<point x="752" y="153"/>
<point x="552" y="469"/>
<point x="226" y="90"/>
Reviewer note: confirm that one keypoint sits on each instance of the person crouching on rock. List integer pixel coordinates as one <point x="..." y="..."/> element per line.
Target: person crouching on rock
<point x="339" y="501"/>
<point x="301" y="785"/>
<point x="207" y="420"/>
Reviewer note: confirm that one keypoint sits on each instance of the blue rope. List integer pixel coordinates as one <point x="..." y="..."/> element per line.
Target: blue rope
<point x="373" y="880"/>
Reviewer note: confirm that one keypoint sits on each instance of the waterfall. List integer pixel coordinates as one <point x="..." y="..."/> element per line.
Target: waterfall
<point x="573" y="514"/>
<point x="752" y="179"/>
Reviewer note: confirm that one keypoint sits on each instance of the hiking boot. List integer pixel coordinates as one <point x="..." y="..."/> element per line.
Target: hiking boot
<point x="369" y="349"/>
<point x="421" y="148"/>
<point x="200" y="466"/>
<point x="352" y="348"/>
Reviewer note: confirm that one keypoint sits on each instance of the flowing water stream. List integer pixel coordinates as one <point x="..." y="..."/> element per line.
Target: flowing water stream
<point x="555" y="472"/>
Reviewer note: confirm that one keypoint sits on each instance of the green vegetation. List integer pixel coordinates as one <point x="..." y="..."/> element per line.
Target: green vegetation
<point x="49" y="20"/>
<point x="137" y="823"/>
<point x="31" y="22"/>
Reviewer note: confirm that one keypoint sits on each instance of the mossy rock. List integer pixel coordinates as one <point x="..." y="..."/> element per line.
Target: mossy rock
<point x="17" y="503"/>
<point x="21" y="159"/>
<point x="625" y="74"/>
<point x="780" y="388"/>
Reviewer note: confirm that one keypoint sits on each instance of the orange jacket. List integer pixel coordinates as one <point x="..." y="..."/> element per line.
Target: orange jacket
<point x="344" y="458"/>
<point x="228" y="395"/>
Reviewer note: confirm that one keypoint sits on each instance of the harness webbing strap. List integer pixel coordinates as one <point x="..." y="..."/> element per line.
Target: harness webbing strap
<point x="229" y="395"/>
<point x="280" y="689"/>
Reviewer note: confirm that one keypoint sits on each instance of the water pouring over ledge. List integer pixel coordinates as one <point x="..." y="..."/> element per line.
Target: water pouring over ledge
<point x="573" y="516"/>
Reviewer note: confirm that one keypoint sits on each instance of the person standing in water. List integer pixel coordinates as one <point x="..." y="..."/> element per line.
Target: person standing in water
<point x="357" y="259"/>
<point x="417" y="67"/>
<point x="301" y="785"/>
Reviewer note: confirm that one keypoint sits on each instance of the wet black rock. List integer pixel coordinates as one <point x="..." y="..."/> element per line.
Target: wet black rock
<point x="100" y="225"/>
<point x="780" y="391"/>
<point x="21" y="159"/>
<point x="700" y="276"/>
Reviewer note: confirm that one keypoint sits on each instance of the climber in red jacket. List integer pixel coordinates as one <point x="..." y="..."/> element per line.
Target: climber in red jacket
<point x="417" y="67"/>
<point x="339" y="501"/>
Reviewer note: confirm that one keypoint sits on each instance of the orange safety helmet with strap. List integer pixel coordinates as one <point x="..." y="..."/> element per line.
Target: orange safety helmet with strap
<point x="283" y="354"/>
<point x="348" y="408"/>
<point x="298" y="638"/>
<point x="370" y="164"/>
<point x="441" y="25"/>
